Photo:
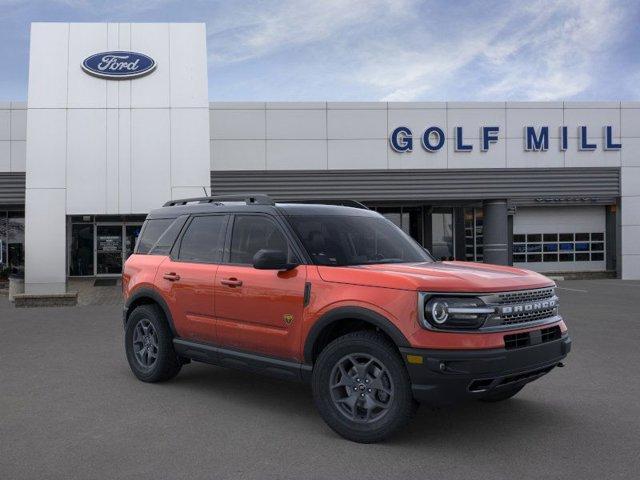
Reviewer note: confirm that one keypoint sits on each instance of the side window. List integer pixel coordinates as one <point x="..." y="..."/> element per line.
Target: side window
<point x="252" y="233"/>
<point x="151" y="233"/>
<point x="204" y="239"/>
<point x="167" y="239"/>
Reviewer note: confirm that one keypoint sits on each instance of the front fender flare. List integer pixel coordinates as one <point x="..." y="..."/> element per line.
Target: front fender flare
<point x="353" y="313"/>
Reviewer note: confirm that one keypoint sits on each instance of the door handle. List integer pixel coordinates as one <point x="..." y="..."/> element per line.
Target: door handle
<point x="231" y="282"/>
<point x="171" y="276"/>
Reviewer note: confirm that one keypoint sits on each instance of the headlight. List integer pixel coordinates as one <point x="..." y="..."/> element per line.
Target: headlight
<point x="455" y="312"/>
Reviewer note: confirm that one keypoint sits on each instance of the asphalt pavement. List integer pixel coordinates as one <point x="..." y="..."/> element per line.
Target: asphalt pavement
<point x="70" y="408"/>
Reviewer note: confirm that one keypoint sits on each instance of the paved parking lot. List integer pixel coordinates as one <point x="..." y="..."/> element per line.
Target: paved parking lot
<point x="70" y="408"/>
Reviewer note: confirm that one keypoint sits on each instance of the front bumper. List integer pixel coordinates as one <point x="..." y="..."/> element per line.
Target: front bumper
<point x="449" y="376"/>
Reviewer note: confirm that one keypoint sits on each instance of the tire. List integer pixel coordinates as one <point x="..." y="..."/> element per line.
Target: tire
<point x="160" y="362"/>
<point x="369" y="401"/>
<point x="501" y="395"/>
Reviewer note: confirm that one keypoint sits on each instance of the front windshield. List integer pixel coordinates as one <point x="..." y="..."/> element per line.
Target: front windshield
<point x="339" y="240"/>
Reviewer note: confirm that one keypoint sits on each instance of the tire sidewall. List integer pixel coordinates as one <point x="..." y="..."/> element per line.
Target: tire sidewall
<point x="401" y="407"/>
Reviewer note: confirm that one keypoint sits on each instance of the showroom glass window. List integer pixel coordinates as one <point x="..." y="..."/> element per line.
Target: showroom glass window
<point x="11" y="242"/>
<point x="559" y="247"/>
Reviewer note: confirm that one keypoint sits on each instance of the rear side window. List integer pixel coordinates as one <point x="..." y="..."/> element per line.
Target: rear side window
<point x="151" y="232"/>
<point x="203" y="241"/>
<point x="167" y="239"/>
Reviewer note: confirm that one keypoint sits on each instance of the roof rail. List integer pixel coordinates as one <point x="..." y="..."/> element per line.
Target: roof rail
<point x="343" y="203"/>
<point x="249" y="198"/>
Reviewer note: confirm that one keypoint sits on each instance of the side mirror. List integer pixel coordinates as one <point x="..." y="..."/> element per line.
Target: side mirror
<point x="272" y="260"/>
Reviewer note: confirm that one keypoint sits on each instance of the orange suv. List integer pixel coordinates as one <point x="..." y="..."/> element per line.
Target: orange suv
<point x="337" y="296"/>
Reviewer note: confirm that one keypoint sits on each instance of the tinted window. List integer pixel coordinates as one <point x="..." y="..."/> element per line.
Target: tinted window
<point x="347" y="240"/>
<point x="203" y="240"/>
<point x="168" y="238"/>
<point x="151" y="233"/>
<point x="252" y="233"/>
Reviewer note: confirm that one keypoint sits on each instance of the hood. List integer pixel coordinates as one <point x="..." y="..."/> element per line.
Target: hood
<point x="437" y="277"/>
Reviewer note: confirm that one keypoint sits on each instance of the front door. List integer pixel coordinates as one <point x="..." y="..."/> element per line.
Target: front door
<point x="259" y="310"/>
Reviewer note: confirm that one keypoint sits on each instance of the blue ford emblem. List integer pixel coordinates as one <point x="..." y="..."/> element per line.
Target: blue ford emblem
<point x="118" y="65"/>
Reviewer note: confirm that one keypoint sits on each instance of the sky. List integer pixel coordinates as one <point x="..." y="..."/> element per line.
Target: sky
<point x="377" y="50"/>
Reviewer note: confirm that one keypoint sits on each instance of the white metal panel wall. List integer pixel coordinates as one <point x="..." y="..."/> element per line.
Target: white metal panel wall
<point x="557" y="219"/>
<point x="356" y="134"/>
<point x="355" y="137"/>
<point x="99" y="146"/>
<point x="630" y="208"/>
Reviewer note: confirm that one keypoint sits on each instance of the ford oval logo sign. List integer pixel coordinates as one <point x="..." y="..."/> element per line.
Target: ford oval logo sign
<point x="118" y="65"/>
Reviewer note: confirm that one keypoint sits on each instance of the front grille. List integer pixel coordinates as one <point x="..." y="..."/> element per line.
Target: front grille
<point x="551" y="333"/>
<point x="517" y="340"/>
<point x="525" y="296"/>
<point x="525" y="306"/>
<point x="525" y="339"/>
<point x="527" y="316"/>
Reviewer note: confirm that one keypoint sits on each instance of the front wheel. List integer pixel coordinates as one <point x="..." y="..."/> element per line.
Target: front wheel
<point x="361" y="387"/>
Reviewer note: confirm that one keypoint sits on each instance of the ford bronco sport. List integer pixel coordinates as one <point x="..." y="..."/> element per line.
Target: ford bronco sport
<point x="336" y="296"/>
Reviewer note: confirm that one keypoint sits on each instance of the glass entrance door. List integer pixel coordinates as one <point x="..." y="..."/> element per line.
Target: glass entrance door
<point x="108" y="249"/>
<point x="99" y="247"/>
<point x="114" y="244"/>
<point x="442" y="236"/>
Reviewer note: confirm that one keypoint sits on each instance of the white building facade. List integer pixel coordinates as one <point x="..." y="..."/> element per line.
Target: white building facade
<point x="552" y="186"/>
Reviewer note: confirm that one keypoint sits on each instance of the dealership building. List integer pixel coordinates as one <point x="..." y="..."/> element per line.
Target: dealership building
<point x="118" y="120"/>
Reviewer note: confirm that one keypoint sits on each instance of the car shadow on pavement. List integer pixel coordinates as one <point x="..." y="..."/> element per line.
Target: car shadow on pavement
<point x="471" y="423"/>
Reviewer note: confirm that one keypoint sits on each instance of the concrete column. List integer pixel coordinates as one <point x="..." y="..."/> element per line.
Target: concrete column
<point x="495" y="235"/>
<point x="97" y="147"/>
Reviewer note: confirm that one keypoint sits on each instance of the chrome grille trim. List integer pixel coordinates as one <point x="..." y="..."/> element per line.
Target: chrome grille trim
<point x="526" y="295"/>
<point x="532" y="317"/>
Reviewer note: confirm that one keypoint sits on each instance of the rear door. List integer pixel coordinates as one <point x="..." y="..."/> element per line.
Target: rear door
<point x="259" y="310"/>
<point x="187" y="277"/>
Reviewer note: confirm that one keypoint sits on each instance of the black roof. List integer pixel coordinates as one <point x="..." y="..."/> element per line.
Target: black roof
<point x="258" y="203"/>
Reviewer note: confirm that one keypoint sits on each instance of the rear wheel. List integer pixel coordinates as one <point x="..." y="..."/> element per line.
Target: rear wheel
<point x="361" y="387"/>
<point x="149" y="345"/>
<point x="501" y="395"/>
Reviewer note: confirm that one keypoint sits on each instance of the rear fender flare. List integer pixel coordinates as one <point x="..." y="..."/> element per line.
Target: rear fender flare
<point x="153" y="295"/>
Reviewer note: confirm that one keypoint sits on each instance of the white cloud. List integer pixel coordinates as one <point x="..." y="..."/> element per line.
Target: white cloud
<point x="542" y="52"/>
<point x="560" y="57"/>
<point x="407" y="50"/>
<point x="254" y="32"/>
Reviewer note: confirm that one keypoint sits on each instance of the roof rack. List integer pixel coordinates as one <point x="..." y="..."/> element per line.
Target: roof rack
<point x="343" y="203"/>
<point x="249" y="198"/>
